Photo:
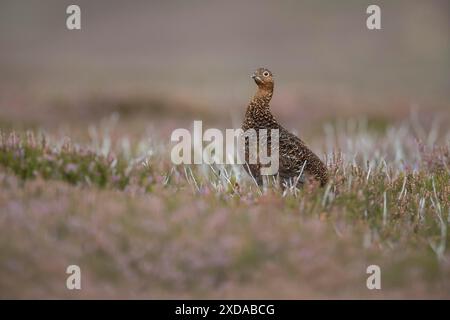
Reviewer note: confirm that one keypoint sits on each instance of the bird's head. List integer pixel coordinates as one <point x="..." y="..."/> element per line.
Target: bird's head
<point x="263" y="78"/>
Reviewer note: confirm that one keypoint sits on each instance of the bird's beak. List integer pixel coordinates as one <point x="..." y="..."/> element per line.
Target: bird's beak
<point x="256" y="78"/>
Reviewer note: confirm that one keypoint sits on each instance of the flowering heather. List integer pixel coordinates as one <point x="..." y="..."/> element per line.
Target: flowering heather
<point x="140" y="227"/>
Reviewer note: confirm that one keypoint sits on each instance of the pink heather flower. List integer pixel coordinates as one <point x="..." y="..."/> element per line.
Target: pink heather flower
<point x="71" y="168"/>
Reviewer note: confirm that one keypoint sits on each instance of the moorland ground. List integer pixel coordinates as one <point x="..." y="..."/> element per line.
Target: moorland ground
<point x="113" y="203"/>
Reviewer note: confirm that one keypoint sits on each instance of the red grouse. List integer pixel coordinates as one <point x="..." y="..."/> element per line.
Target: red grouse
<point x="294" y="155"/>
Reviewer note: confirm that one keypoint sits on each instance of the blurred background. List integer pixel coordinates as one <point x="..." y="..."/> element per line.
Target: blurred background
<point x="167" y="63"/>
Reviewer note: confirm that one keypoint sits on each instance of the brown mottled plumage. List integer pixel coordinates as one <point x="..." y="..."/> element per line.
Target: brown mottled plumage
<point x="292" y="151"/>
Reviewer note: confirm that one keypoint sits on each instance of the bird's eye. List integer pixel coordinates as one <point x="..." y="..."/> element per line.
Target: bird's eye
<point x="266" y="73"/>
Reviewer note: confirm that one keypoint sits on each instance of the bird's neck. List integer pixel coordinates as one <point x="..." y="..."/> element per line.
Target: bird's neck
<point x="263" y="96"/>
<point x="258" y="108"/>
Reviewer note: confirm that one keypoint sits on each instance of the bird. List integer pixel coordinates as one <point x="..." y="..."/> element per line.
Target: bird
<point x="296" y="161"/>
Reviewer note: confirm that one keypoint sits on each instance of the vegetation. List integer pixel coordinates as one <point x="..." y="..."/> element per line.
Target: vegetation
<point x="140" y="227"/>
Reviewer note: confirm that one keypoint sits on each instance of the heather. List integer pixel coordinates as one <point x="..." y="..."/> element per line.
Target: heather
<point x="142" y="227"/>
